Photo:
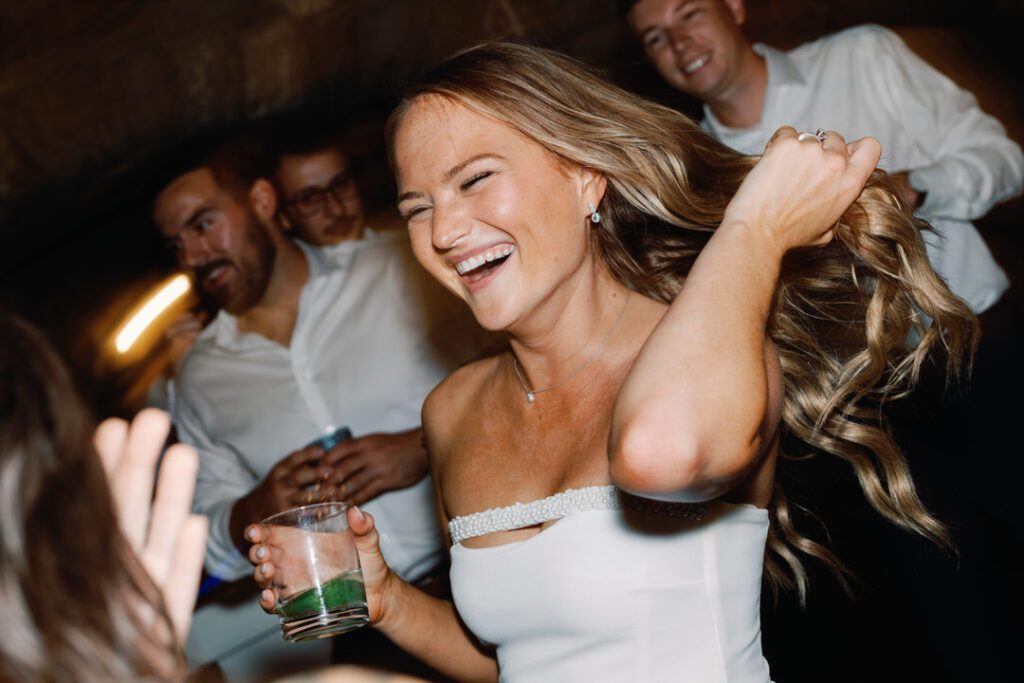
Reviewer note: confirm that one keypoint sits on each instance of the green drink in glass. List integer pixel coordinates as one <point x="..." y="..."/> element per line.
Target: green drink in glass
<point x="317" y="577"/>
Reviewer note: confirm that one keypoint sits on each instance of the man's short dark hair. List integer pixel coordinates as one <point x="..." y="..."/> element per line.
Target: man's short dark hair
<point x="236" y="159"/>
<point x="300" y="138"/>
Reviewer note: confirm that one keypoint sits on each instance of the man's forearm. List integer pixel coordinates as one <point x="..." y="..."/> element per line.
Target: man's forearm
<point x="965" y="186"/>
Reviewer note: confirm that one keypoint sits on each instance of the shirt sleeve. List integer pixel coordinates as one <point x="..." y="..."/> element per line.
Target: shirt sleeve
<point x="975" y="164"/>
<point x="223" y="479"/>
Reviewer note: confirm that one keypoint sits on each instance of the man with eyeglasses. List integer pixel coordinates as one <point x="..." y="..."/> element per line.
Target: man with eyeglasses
<point x="320" y="201"/>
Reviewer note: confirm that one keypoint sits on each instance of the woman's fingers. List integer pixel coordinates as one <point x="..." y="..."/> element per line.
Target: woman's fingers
<point x="834" y="142"/>
<point x="263" y="574"/>
<point x="781" y="134"/>
<point x="364" y="532"/>
<point x="263" y="569"/>
<point x="182" y="585"/>
<point x="133" y="481"/>
<point x="362" y="524"/>
<point x="170" y="509"/>
<point x="258" y="554"/>
<point x="109" y="441"/>
<point x="255" y="533"/>
<point x="861" y="158"/>
<point x="176" y="539"/>
<point x="864" y="154"/>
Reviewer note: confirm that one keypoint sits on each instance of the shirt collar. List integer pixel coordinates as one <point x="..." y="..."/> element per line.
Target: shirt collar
<point x="225" y="325"/>
<point x="320" y="263"/>
<point x="341" y="253"/>
<point x="782" y="71"/>
<point x="226" y="335"/>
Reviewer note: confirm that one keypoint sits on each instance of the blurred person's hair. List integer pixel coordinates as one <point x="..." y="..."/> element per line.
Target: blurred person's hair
<point x="842" y="313"/>
<point x="78" y="606"/>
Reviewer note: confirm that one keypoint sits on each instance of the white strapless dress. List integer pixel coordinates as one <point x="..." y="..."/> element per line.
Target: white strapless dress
<point x="618" y="589"/>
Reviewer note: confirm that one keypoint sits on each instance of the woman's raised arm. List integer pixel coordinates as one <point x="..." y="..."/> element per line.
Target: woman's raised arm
<point x="702" y="402"/>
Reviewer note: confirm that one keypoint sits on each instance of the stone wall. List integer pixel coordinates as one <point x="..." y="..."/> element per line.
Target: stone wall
<point x="92" y="92"/>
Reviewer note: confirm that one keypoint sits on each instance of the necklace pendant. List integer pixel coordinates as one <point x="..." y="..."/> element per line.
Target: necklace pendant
<point x="530" y="397"/>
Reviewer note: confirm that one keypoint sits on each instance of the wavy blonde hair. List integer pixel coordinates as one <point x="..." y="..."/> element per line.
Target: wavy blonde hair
<point x="78" y="605"/>
<point x="842" y="313"/>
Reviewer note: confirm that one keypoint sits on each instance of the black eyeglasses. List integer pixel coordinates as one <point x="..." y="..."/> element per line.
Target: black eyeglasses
<point x="313" y="200"/>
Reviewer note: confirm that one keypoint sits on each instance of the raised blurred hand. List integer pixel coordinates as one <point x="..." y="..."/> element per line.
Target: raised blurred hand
<point x="168" y="540"/>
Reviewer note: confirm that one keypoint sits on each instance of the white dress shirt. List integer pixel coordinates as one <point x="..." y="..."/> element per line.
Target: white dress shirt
<point x="365" y="352"/>
<point x="865" y="81"/>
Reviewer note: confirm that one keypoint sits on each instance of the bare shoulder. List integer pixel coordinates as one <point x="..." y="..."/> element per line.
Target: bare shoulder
<point x="450" y="405"/>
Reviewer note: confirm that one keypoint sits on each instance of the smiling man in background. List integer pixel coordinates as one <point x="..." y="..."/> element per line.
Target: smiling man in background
<point x="951" y="161"/>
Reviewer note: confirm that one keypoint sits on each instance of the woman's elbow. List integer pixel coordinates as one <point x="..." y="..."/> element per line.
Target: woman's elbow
<point x="648" y="461"/>
<point x="644" y="459"/>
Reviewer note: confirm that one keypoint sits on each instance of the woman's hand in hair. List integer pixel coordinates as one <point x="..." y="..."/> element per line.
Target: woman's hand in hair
<point x="166" y="537"/>
<point x="799" y="189"/>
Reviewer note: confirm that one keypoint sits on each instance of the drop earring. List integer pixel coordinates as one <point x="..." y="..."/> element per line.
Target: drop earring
<point x="595" y="217"/>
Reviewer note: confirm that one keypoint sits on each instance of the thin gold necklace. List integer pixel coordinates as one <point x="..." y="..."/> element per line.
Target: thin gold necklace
<point x="531" y="394"/>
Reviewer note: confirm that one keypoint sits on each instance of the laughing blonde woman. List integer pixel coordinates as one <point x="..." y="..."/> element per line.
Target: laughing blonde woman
<point x="608" y="483"/>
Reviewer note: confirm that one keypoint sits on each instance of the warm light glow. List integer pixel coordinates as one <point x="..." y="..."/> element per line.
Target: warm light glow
<point x="173" y="290"/>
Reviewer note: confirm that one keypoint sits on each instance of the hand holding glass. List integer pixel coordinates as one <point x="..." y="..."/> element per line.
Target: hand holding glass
<point x="317" y="578"/>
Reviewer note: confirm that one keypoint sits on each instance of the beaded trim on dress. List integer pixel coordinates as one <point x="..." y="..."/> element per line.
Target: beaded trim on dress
<point x="560" y="505"/>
